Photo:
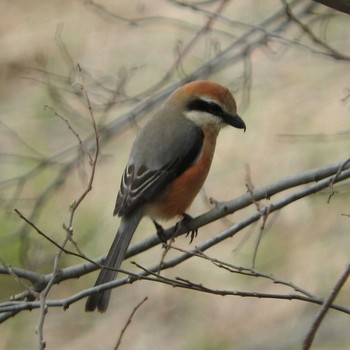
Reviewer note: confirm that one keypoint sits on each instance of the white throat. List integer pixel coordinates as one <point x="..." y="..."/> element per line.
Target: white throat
<point x="205" y="119"/>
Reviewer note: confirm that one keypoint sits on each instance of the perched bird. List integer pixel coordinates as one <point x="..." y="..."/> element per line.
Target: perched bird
<point x="168" y="164"/>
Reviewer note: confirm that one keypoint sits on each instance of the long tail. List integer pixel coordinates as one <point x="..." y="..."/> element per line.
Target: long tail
<point x="114" y="259"/>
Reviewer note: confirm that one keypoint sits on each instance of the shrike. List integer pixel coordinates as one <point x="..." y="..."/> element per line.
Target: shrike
<point x="168" y="164"/>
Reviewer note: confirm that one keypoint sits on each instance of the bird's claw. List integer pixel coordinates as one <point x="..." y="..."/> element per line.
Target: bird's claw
<point x="160" y="232"/>
<point x="184" y="222"/>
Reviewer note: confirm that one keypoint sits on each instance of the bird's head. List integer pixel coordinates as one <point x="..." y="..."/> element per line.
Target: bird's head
<point x="207" y="104"/>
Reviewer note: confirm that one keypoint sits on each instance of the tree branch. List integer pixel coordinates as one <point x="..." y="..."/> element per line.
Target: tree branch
<point x="325" y="177"/>
<point x="339" y="5"/>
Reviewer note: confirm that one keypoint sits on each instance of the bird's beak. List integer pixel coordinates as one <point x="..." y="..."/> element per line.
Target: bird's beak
<point x="235" y="121"/>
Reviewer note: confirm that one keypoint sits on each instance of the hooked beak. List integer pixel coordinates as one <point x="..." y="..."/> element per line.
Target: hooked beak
<point x="235" y="121"/>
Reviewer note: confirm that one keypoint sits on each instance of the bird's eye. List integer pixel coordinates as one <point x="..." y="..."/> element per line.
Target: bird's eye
<point x="205" y="106"/>
<point x="214" y="108"/>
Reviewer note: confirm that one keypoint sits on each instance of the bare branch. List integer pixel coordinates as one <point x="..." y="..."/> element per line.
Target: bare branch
<point x="340" y="5"/>
<point x="321" y="175"/>
<point x="128" y="322"/>
<point x="231" y="48"/>
<point x="306" y="30"/>
<point x="325" y="307"/>
<point x="73" y="208"/>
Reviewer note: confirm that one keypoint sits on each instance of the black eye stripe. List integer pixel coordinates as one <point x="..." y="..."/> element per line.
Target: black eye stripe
<point x="205" y="106"/>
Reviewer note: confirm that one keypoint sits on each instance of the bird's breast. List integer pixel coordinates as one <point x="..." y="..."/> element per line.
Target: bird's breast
<point x="180" y="193"/>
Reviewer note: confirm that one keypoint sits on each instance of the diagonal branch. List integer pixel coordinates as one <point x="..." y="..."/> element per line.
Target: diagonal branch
<point x="325" y="177"/>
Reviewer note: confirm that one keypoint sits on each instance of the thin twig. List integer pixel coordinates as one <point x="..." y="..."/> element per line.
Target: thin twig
<point x="128" y="322"/>
<point x="305" y="29"/>
<point x="247" y="271"/>
<point x="73" y="208"/>
<point x="341" y="167"/>
<point x="325" y="307"/>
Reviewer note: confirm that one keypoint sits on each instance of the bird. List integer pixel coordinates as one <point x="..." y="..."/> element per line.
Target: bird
<point x="168" y="164"/>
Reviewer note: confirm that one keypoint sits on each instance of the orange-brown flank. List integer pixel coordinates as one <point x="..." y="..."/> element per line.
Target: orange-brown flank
<point x="182" y="191"/>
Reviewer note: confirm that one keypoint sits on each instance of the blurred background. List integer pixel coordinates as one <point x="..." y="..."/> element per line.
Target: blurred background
<point x="293" y="93"/>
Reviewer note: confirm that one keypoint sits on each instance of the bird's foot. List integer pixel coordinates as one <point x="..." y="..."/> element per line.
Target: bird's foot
<point x="160" y="232"/>
<point x="184" y="223"/>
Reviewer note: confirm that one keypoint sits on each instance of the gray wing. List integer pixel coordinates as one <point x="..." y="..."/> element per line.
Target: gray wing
<point x="158" y="155"/>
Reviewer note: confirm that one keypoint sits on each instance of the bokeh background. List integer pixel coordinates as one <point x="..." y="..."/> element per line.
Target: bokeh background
<point x="293" y="98"/>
